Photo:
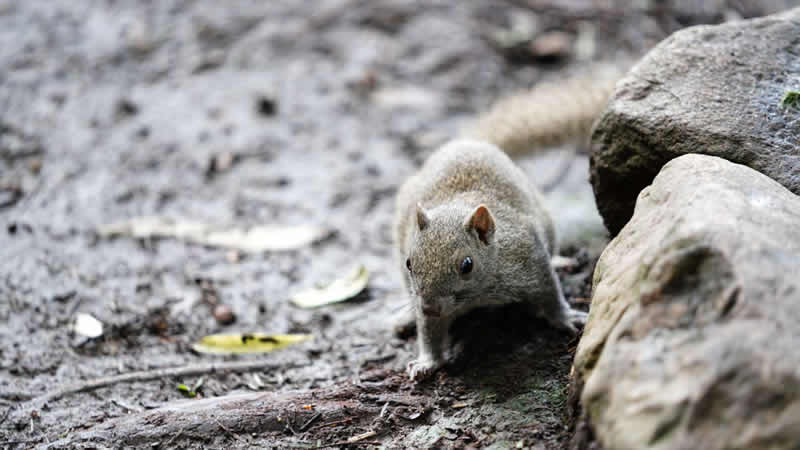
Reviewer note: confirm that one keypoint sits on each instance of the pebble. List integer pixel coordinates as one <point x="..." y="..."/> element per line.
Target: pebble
<point x="224" y="314"/>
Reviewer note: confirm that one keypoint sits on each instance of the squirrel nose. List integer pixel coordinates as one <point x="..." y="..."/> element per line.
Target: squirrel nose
<point x="431" y="309"/>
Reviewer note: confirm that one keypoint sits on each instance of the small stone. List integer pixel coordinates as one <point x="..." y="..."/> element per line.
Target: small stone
<point x="143" y="133"/>
<point x="233" y="256"/>
<point x="223" y="161"/>
<point x="266" y="106"/>
<point x="224" y="314"/>
<point x="551" y="46"/>
<point x="365" y="84"/>
<point x="35" y="166"/>
<point x="220" y="163"/>
<point x="126" y="108"/>
<point x="214" y="113"/>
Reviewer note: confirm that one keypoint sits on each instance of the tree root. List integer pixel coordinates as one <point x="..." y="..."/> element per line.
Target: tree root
<point x="285" y="415"/>
<point x="36" y="402"/>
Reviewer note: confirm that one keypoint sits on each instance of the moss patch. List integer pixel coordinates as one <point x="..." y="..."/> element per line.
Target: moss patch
<point x="791" y="100"/>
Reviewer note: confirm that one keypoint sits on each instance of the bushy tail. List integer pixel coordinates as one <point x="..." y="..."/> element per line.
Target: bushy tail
<point x="549" y="115"/>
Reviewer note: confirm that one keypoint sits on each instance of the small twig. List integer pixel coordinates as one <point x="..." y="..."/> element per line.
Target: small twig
<point x="342" y="443"/>
<point x="308" y="423"/>
<point x="147" y="375"/>
<point x="231" y="433"/>
<point x="361" y="437"/>
<point x="5" y="415"/>
<point x="172" y="439"/>
<point x="334" y="423"/>
<point x="6" y="444"/>
<point x="289" y="422"/>
<point x="383" y="410"/>
<point x="16" y="395"/>
<point x="125" y="406"/>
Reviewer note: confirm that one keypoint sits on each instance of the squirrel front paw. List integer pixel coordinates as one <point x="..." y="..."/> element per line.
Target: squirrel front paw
<point x="570" y="320"/>
<point x="577" y="318"/>
<point x="422" y="368"/>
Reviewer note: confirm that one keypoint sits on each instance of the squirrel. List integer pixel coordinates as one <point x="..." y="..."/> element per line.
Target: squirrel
<point x="470" y="229"/>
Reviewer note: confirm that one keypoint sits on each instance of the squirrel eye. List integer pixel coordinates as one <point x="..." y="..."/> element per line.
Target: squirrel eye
<point x="466" y="265"/>
<point x="408" y="264"/>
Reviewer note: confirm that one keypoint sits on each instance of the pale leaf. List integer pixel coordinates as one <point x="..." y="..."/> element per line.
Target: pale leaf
<point x="338" y="291"/>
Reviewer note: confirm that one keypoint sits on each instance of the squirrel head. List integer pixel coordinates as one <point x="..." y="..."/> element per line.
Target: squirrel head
<point x="452" y="250"/>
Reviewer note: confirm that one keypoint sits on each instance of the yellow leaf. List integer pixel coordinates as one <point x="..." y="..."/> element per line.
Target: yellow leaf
<point x="184" y="389"/>
<point x="338" y="291"/>
<point x="230" y="344"/>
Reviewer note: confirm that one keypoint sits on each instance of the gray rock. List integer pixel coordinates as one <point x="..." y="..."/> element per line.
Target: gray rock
<point x="714" y="90"/>
<point x="692" y="337"/>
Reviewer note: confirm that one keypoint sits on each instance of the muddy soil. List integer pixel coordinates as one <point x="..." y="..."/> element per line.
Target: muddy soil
<point x="278" y="112"/>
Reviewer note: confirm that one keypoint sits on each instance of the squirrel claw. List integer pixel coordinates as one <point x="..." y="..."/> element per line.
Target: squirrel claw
<point x="577" y="318"/>
<point x="419" y="369"/>
<point x="571" y="320"/>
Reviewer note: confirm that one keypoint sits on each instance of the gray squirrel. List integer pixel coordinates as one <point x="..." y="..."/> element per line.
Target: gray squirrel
<point x="470" y="228"/>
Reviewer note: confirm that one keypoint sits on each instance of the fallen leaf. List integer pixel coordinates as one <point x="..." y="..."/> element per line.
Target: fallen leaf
<point x="791" y="99"/>
<point x="198" y="384"/>
<point x="253" y="239"/>
<point x="361" y="437"/>
<point x="408" y="97"/>
<point x="87" y="325"/>
<point x="415" y="416"/>
<point x="257" y="384"/>
<point x="185" y="390"/>
<point x="230" y="344"/>
<point x="337" y="291"/>
<point x="562" y="262"/>
<point x="551" y="46"/>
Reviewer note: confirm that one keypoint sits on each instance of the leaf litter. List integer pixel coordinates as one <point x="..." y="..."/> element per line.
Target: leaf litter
<point x="254" y="239"/>
<point x="235" y="344"/>
<point x="337" y="291"/>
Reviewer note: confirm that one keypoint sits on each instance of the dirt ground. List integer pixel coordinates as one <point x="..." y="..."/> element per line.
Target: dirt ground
<point x="278" y="112"/>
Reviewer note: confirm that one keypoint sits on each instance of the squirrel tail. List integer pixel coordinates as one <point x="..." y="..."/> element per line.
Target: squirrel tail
<point x="548" y="115"/>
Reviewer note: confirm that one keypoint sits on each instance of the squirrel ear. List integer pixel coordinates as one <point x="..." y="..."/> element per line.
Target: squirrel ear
<point x="422" y="217"/>
<point x="482" y="222"/>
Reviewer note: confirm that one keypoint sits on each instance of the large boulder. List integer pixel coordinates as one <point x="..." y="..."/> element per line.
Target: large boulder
<point x="692" y="340"/>
<point x="715" y="90"/>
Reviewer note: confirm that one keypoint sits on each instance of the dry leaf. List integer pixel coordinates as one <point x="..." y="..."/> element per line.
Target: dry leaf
<point x="230" y="344"/>
<point x="338" y="291"/>
<point x="185" y="390"/>
<point x="253" y="239"/>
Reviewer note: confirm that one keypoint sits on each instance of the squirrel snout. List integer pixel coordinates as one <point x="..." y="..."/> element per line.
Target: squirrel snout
<point x="431" y="308"/>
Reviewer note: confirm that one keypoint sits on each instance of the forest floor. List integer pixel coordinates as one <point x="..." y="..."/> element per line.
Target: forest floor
<point x="272" y="112"/>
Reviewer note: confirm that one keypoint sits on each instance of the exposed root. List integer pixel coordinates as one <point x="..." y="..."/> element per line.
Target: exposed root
<point x="212" y="421"/>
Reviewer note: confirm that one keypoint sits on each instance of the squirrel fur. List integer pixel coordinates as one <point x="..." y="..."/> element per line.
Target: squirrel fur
<point x="470" y="228"/>
<point x="551" y="114"/>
